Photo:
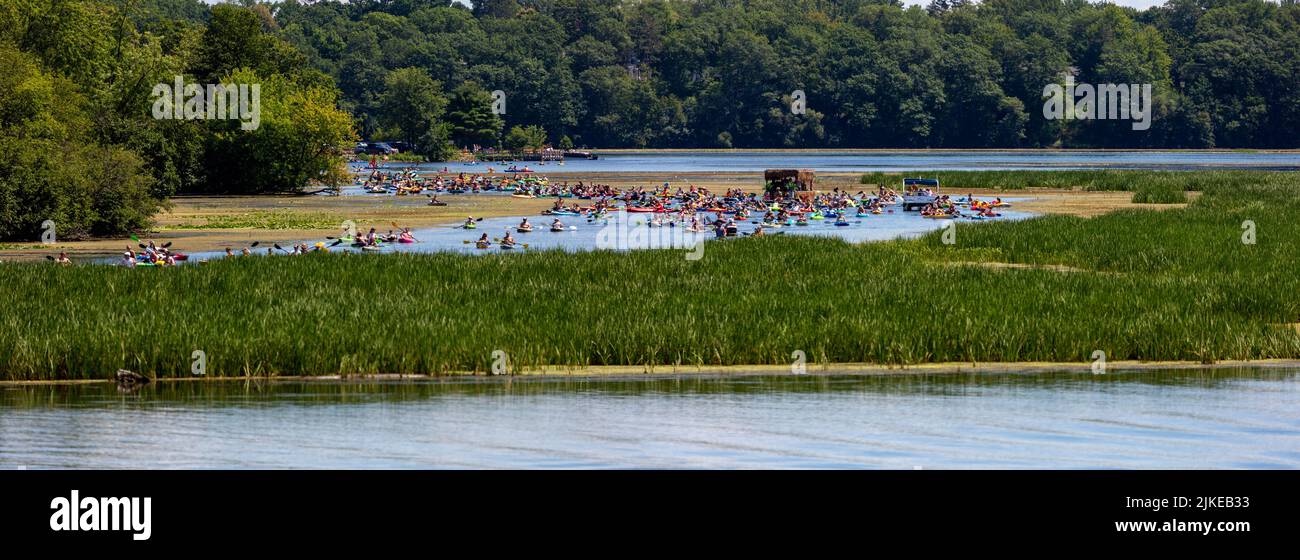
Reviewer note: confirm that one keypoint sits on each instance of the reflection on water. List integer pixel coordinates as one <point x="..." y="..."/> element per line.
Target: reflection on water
<point x="1176" y="419"/>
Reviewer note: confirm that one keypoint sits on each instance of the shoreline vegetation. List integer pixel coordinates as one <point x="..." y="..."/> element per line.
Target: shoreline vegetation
<point x="1183" y="284"/>
<point x="614" y="373"/>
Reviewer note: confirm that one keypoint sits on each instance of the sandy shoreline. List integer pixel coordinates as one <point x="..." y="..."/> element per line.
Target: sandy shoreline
<point x="382" y="212"/>
<point x="671" y="371"/>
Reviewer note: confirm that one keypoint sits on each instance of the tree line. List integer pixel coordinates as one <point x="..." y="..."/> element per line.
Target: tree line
<point x="721" y="73"/>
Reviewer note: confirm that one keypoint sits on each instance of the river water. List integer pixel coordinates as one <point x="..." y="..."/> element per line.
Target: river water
<point x="1225" y="418"/>
<point x="957" y="160"/>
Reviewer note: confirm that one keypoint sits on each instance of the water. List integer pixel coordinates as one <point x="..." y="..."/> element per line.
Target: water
<point x="829" y="161"/>
<point x="1242" y="418"/>
<point x="586" y="235"/>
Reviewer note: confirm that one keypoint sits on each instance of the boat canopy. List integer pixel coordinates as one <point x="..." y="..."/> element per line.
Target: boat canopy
<point x="921" y="182"/>
<point x="785" y="183"/>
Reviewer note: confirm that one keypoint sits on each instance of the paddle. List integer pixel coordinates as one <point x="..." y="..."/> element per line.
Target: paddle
<point x="49" y="257"/>
<point x="336" y="243"/>
<point x="277" y="246"/>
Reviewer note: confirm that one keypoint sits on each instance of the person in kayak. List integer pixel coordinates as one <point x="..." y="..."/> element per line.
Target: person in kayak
<point x="557" y="225"/>
<point x="525" y="226"/>
<point x="507" y="240"/>
<point x="370" y="238"/>
<point x="406" y="237"/>
<point x="128" y="259"/>
<point x="63" y="258"/>
<point x="469" y="222"/>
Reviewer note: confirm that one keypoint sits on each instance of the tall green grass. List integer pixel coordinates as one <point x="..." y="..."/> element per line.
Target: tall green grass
<point x="1158" y="193"/>
<point x="1150" y="285"/>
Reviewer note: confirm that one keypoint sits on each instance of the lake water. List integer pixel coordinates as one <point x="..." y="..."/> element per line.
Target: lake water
<point x="831" y="161"/>
<point x="634" y="232"/>
<point x="1227" y="418"/>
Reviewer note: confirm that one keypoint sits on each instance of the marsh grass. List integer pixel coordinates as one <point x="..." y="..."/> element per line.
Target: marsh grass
<point x="1148" y="285"/>
<point x="265" y="219"/>
<point x="1159" y="193"/>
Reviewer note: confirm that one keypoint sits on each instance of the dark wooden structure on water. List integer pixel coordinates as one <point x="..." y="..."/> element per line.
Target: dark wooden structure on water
<point x="784" y="184"/>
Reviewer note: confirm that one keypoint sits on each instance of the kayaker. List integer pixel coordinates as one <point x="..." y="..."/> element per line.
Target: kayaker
<point x="469" y="222"/>
<point x="370" y="238"/>
<point x="507" y="240"/>
<point x="525" y="226"/>
<point x="229" y="253"/>
<point x="63" y="258"/>
<point x="557" y="224"/>
<point x="128" y="259"/>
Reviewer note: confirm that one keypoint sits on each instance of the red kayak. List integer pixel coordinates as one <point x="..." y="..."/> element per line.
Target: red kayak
<point x="636" y="209"/>
<point x="180" y="256"/>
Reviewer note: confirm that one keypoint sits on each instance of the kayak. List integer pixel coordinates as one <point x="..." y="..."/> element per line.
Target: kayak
<point x="638" y="209"/>
<point x="371" y="248"/>
<point x="483" y="245"/>
<point x="841" y="224"/>
<point x="561" y="213"/>
<point x="406" y="240"/>
<point x="522" y="196"/>
<point x="504" y="246"/>
<point x="557" y="229"/>
<point x="180" y="256"/>
<point x="470" y="226"/>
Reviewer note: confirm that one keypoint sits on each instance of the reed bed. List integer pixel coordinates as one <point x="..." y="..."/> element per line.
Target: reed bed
<point x="265" y="219"/>
<point x="1143" y="285"/>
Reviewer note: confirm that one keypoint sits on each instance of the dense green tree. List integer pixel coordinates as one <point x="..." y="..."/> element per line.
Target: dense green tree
<point x="469" y="112"/>
<point x="411" y="108"/>
<point x="525" y="138"/>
